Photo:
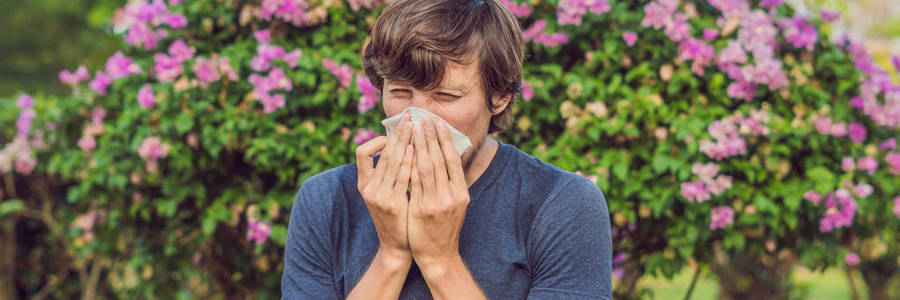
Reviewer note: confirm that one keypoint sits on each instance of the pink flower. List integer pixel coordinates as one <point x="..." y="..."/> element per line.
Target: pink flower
<point x="571" y="11"/>
<point x="357" y="4"/>
<point x="292" y="11"/>
<point x="857" y="133"/>
<point x="888" y="144"/>
<point x="292" y="57"/>
<point x="629" y="37"/>
<point x="87" y="143"/>
<point x="25" y="164"/>
<point x="100" y="83"/>
<point x="521" y="10"/>
<point x="74" y="78"/>
<point x="710" y="34"/>
<point x="863" y="190"/>
<point x="868" y="164"/>
<point x="118" y="65"/>
<point x="25" y="101"/>
<point x="694" y="191"/>
<point x="705" y="171"/>
<point x="770" y="3"/>
<point x="857" y="102"/>
<point x="721" y="217"/>
<point x="812" y="196"/>
<point x="343" y="72"/>
<point x="165" y="68"/>
<point x="364" y="135"/>
<point x="369" y="93"/>
<point x="258" y="231"/>
<point x="535" y="33"/>
<point x="262" y="36"/>
<point x="205" y="70"/>
<point x="153" y="149"/>
<point x="847" y="164"/>
<point x="851" y="259"/>
<point x="180" y="51"/>
<point x="799" y="33"/>
<point x="895" y="60"/>
<point x="174" y="20"/>
<point x="829" y="15"/>
<point x="527" y="92"/>
<point x="897" y="206"/>
<point x="145" y="97"/>
<point x="840" y="210"/>
<point x="893" y="160"/>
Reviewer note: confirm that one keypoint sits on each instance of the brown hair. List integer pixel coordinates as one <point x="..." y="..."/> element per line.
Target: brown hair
<point x="413" y="39"/>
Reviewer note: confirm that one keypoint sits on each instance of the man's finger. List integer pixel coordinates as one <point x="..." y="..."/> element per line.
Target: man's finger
<point x="451" y="156"/>
<point x="364" y="158"/>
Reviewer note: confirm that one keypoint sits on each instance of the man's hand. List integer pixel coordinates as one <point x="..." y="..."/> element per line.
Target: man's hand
<point x="384" y="188"/>
<point x="439" y="196"/>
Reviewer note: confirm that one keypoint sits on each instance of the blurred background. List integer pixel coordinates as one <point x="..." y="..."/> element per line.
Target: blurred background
<point x="110" y="211"/>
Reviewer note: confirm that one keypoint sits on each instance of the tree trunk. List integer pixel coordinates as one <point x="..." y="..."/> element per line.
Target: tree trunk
<point x="877" y="275"/>
<point x="746" y="276"/>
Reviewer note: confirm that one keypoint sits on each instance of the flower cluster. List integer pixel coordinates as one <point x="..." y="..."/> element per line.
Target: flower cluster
<point x="364" y="135"/>
<point x="141" y="20"/>
<point x="92" y="129"/>
<point x="535" y="33"/>
<point x="258" y="231"/>
<point x="145" y="96"/>
<point x="721" y="217"/>
<point x="571" y="11"/>
<point x="369" y="93"/>
<point x="117" y="66"/>
<point x="893" y="161"/>
<point x="522" y="10"/>
<point x="868" y="164"/>
<point x="263" y="86"/>
<point x="72" y="79"/>
<point x="368" y="4"/>
<point x="167" y="67"/>
<point x="151" y="150"/>
<point x="726" y="134"/>
<point x="209" y="70"/>
<point x="897" y="206"/>
<point x="710" y="183"/>
<point x="343" y="72"/>
<point x="840" y="209"/>
<point x="799" y="33"/>
<point x="298" y="12"/>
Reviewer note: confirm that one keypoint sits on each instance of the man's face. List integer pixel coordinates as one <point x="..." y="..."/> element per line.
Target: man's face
<point x="459" y="100"/>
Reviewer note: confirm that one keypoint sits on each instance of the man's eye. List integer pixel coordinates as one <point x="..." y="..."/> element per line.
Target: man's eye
<point x="446" y="96"/>
<point x="401" y="93"/>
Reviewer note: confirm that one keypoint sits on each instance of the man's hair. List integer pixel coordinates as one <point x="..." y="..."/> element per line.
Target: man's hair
<point x="412" y="41"/>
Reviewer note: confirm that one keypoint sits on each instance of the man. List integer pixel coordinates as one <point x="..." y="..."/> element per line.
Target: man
<point x="494" y="222"/>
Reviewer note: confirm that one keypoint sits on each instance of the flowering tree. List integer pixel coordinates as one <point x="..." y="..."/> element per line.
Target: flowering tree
<point x="726" y="132"/>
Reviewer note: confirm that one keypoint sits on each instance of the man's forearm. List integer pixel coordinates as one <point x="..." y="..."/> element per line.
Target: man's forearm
<point x="384" y="278"/>
<point x="450" y="279"/>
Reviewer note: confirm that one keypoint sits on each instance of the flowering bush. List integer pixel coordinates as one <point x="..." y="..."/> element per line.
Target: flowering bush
<point x="705" y="123"/>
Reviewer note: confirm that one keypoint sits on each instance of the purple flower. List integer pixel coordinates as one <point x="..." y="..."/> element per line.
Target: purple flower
<point x="571" y="11"/>
<point x="166" y="68"/>
<point x="857" y="102"/>
<point x="87" y="143"/>
<point x="258" y="231"/>
<point x="174" y="20"/>
<point x="897" y="206"/>
<point x="206" y="70"/>
<point x="895" y="60"/>
<point x="74" y="78"/>
<point x="857" y="133"/>
<point x="698" y="51"/>
<point x="292" y="11"/>
<point x="100" y="83"/>
<point x="364" y="135"/>
<point x="145" y="97"/>
<point x="710" y="34"/>
<point x="25" y="101"/>
<point x="658" y="13"/>
<point x="629" y="37"/>
<point x="292" y="57"/>
<point x="23" y="123"/>
<point x="770" y="3"/>
<point x="677" y="28"/>
<point x="799" y="33"/>
<point x="840" y="210"/>
<point x="851" y="259"/>
<point x="721" y="217"/>
<point x="829" y="15"/>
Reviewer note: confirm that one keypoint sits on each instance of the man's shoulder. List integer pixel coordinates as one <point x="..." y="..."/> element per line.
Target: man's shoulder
<point x="554" y="181"/>
<point x="330" y="181"/>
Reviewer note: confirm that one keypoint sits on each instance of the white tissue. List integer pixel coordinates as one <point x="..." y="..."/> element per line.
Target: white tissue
<point x="460" y="141"/>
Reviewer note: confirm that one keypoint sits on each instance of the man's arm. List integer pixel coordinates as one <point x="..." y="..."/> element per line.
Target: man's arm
<point x="450" y="279"/>
<point x="384" y="278"/>
<point x="570" y="247"/>
<point x="308" y="248"/>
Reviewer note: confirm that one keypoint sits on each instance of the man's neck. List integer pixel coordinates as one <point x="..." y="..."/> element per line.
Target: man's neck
<point x="481" y="161"/>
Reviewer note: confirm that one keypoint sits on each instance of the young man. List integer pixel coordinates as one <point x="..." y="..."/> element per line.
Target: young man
<point x="493" y="222"/>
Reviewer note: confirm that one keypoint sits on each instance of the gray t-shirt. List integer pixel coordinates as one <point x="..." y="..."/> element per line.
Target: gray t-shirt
<point x="532" y="230"/>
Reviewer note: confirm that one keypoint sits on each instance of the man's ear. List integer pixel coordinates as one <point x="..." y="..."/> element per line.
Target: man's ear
<point x="500" y="103"/>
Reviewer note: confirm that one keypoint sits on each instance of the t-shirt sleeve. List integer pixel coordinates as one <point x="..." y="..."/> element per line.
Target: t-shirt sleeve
<point x="308" y="248"/>
<point x="570" y="246"/>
